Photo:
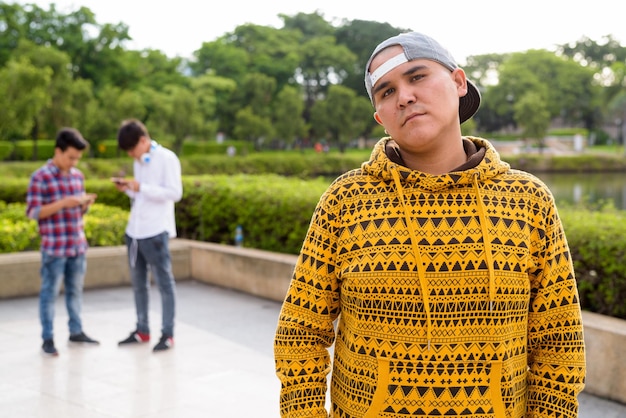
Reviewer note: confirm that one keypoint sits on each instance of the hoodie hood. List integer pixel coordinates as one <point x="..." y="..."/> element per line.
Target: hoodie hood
<point x="483" y="163"/>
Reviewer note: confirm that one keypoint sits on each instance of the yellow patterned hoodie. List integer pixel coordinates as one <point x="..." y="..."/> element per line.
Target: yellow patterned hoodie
<point x="455" y="297"/>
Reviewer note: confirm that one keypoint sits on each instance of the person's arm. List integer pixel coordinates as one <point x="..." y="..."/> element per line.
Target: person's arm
<point x="556" y="352"/>
<point x="36" y="209"/>
<point x="305" y="326"/>
<point x="50" y="209"/>
<point x="170" y="187"/>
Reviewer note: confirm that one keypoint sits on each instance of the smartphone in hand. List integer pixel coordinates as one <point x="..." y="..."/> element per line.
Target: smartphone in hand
<point x="88" y="198"/>
<point x="118" y="181"/>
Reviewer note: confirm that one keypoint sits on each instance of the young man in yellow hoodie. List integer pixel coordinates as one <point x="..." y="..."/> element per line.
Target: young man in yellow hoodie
<point x="448" y="271"/>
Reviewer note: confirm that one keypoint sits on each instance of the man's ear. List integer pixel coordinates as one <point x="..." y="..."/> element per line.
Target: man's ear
<point x="459" y="77"/>
<point x="377" y="119"/>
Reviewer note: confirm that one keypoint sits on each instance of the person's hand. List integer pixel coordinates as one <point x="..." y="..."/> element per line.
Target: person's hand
<point x="121" y="184"/>
<point x="133" y="185"/>
<point x="87" y="199"/>
<point x="75" y="200"/>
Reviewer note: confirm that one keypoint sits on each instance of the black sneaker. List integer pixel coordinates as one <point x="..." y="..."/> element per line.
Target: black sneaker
<point x="48" y="348"/>
<point x="82" y="338"/>
<point x="135" y="337"/>
<point x="165" y="343"/>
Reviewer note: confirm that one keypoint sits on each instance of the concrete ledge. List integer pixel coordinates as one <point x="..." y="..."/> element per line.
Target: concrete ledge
<point x="261" y="273"/>
<point x="106" y="267"/>
<point x="267" y="274"/>
<point x="605" y="343"/>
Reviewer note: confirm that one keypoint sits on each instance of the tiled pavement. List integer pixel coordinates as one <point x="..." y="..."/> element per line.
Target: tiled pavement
<point x="221" y="365"/>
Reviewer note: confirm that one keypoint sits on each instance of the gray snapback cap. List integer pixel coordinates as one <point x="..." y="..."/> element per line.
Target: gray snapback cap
<point x="419" y="46"/>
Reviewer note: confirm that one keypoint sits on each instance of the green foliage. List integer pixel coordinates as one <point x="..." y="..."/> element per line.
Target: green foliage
<point x="104" y="226"/>
<point x="17" y="232"/>
<point x="107" y="148"/>
<point x="66" y="69"/>
<point x="597" y="242"/>
<point x="273" y="211"/>
<point x="25" y="150"/>
<point x="6" y="149"/>
<point x="568" y="132"/>
<point x="202" y="148"/>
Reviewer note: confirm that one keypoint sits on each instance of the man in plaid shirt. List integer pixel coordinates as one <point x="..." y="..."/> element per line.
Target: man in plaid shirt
<point x="56" y="199"/>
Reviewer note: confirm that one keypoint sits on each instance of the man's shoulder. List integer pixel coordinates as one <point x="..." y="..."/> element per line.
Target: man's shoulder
<point x="44" y="171"/>
<point x="167" y="153"/>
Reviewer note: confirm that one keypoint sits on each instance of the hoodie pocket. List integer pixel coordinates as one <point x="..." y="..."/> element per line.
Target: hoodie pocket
<point x="446" y="388"/>
<point x="380" y="395"/>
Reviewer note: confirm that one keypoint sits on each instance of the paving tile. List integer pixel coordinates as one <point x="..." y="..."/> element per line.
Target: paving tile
<point x="221" y="366"/>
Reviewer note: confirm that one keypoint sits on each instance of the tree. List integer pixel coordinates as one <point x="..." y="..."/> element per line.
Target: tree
<point x="323" y="64"/>
<point x="310" y="25"/>
<point x="114" y="105"/>
<point x="287" y="115"/>
<point x="566" y="88"/>
<point x="182" y="118"/>
<point x="341" y="117"/>
<point x="360" y="37"/>
<point x="58" y="111"/>
<point x="533" y="116"/>
<point x="220" y="58"/>
<point x="23" y="93"/>
<point x="272" y="52"/>
<point x="209" y="90"/>
<point x="252" y="127"/>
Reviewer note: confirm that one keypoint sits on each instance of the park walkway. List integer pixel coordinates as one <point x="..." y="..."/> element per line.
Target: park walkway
<point x="221" y="367"/>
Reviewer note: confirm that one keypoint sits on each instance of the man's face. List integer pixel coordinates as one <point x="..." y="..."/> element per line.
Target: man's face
<point x="67" y="159"/>
<point x="418" y="101"/>
<point x="140" y="149"/>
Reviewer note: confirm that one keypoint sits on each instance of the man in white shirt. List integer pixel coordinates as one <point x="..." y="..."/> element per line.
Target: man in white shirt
<point x="155" y="188"/>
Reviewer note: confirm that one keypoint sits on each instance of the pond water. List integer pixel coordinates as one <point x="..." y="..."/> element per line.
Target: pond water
<point x="587" y="188"/>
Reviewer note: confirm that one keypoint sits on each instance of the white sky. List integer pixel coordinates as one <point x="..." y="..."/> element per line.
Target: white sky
<point x="466" y="28"/>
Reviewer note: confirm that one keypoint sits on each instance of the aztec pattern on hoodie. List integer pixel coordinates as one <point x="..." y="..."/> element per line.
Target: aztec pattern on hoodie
<point x="455" y="296"/>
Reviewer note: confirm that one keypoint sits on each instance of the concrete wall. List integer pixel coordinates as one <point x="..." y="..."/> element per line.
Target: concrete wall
<point x="106" y="267"/>
<point x="257" y="272"/>
<point x="605" y="342"/>
<point x="267" y="275"/>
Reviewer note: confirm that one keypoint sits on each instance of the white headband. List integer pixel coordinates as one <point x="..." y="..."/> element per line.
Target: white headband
<point x="387" y="66"/>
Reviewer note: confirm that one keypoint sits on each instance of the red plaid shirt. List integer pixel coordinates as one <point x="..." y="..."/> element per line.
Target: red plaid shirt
<point x="62" y="234"/>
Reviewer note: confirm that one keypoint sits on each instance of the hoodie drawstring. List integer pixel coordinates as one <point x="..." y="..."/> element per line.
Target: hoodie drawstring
<point x="486" y="242"/>
<point x="418" y="257"/>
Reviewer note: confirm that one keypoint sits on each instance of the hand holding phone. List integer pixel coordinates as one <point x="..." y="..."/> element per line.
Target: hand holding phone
<point x="88" y="198"/>
<point x="118" y="181"/>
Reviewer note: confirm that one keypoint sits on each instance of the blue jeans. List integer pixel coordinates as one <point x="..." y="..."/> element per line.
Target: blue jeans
<point x="154" y="253"/>
<point x="72" y="271"/>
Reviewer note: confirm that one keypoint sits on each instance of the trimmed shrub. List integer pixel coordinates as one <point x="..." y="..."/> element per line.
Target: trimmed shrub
<point x="104" y="226"/>
<point x="6" y="149"/>
<point x="25" y="149"/>
<point x="597" y="242"/>
<point x="273" y="211"/>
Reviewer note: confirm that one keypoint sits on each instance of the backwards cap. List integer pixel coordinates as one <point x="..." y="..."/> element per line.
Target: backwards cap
<point x="419" y="46"/>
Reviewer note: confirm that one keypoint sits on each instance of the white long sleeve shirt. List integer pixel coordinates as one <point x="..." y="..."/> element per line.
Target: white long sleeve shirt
<point x="152" y="207"/>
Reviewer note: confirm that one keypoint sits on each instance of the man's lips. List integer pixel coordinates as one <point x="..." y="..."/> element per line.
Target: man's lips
<point x="411" y="117"/>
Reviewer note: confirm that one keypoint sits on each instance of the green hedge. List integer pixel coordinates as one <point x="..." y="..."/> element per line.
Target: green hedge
<point x="104" y="226"/>
<point x="6" y="149"/>
<point x="194" y="148"/>
<point x="275" y="211"/>
<point x="309" y="164"/>
<point x="598" y="245"/>
<point x="25" y="149"/>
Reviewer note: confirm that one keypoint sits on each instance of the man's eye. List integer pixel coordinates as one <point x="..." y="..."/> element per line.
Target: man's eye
<point x="387" y="92"/>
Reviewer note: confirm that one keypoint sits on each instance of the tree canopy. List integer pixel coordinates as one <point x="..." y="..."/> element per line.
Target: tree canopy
<point x="269" y="85"/>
